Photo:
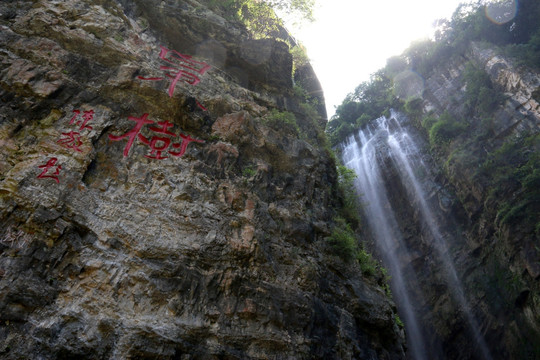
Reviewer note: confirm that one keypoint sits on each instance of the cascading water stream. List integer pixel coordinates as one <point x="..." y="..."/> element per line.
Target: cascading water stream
<point x="368" y="156"/>
<point x="364" y="162"/>
<point x="404" y="150"/>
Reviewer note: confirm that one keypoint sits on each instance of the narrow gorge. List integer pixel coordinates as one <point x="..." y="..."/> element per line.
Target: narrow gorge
<point x="448" y="179"/>
<point x="171" y="188"/>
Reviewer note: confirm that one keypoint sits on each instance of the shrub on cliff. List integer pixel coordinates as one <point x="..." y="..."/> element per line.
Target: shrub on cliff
<point x="481" y="97"/>
<point x="368" y="101"/>
<point x="342" y="241"/>
<point x="368" y="264"/>
<point x="282" y="121"/>
<point x="259" y="16"/>
<point x="527" y="54"/>
<point x="444" y="130"/>
<point x="513" y="174"/>
<point x="413" y="108"/>
<point x="348" y="196"/>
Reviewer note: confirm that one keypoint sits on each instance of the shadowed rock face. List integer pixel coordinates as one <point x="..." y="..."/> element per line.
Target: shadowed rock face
<point x="149" y="210"/>
<point x="497" y="261"/>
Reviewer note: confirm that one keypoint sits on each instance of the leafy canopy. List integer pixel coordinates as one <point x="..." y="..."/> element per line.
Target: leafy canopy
<point x="260" y="15"/>
<point x="519" y="38"/>
<point x="302" y="9"/>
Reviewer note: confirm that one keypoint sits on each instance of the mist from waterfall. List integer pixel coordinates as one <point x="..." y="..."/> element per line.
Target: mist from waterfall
<point x="386" y="143"/>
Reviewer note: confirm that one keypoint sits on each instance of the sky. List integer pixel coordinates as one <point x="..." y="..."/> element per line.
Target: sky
<point x="351" y="39"/>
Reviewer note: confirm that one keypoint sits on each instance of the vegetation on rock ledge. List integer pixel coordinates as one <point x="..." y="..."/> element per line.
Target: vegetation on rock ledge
<point x="519" y="39"/>
<point x="482" y="129"/>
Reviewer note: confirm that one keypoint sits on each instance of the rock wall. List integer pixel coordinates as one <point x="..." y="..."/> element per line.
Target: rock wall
<point x="152" y="206"/>
<point x="498" y="262"/>
<point x="444" y="90"/>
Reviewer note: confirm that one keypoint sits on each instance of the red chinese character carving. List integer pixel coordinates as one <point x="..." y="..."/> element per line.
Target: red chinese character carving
<point x="163" y="130"/>
<point x="200" y="106"/>
<point x="186" y="139"/>
<point x="87" y="116"/>
<point x="158" y="144"/>
<point x="131" y="135"/>
<point x="153" y="143"/>
<point x="47" y="166"/>
<point x="183" y="68"/>
<point x="149" y="78"/>
<point x="76" y="112"/>
<point x="72" y="140"/>
<point x="156" y="147"/>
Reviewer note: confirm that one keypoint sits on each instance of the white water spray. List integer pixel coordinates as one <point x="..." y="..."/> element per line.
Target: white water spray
<point x="389" y="140"/>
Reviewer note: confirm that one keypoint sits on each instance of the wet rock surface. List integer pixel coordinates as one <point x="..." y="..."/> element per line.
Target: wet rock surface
<point x="496" y="261"/>
<point x="148" y="211"/>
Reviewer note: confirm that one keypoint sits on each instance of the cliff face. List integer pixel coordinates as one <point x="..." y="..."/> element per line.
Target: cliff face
<point x="153" y="202"/>
<point x="486" y="178"/>
<point x="445" y="90"/>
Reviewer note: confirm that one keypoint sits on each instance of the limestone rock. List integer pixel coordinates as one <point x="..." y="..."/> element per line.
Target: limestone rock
<point x="148" y="211"/>
<point x="498" y="263"/>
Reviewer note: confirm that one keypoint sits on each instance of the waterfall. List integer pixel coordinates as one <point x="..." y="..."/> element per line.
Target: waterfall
<point x="385" y="156"/>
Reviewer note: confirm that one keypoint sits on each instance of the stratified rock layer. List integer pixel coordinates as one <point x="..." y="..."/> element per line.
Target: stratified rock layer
<point x="498" y="261"/>
<point x="150" y="208"/>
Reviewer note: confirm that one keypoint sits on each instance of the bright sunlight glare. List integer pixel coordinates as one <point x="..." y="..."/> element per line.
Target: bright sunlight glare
<point x="351" y="39"/>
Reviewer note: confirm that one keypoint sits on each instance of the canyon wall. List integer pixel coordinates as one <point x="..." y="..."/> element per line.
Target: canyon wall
<point x="165" y="193"/>
<point x="486" y="183"/>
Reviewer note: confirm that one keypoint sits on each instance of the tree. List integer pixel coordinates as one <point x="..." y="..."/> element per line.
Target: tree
<point x="395" y="65"/>
<point x="260" y="17"/>
<point x="301" y="8"/>
<point x="368" y="101"/>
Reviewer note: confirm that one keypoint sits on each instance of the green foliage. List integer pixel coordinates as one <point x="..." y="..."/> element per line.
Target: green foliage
<point x="300" y="57"/>
<point x="311" y="128"/>
<point x="300" y="92"/>
<point x="344" y="244"/>
<point x="398" y="321"/>
<point x="259" y="15"/>
<point x="413" y="108"/>
<point x="350" y="209"/>
<point x="527" y="206"/>
<point x="470" y="23"/>
<point x="368" y="264"/>
<point x="503" y="285"/>
<point x="338" y="132"/>
<point x="396" y="65"/>
<point x="513" y="175"/>
<point x="461" y="157"/>
<point x="420" y="55"/>
<point x="368" y="101"/>
<point x="385" y="280"/>
<point x="302" y="9"/>
<point x="428" y="122"/>
<point x="343" y="241"/>
<point x="444" y="130"/>
<point x="310" y="111"/>
<point x="229" y="6"/>
<point x="527" y="54"/>
<point x="282" y="121"/>
<point x="260" y="19"/>
<point x="481" y="97"/>
<point x="363" y="120"/>
<point x="249" y="171"/>
<point x="521" y="36"/>
<point x="308" y="103"/>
